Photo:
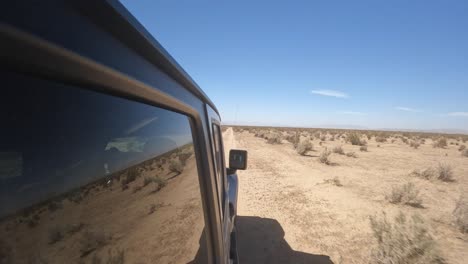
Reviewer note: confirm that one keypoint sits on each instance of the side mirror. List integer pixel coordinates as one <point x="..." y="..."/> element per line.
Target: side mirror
<point x="237" y="159"/>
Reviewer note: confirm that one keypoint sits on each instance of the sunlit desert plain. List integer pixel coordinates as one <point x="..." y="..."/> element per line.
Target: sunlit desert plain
<point x="342" y="196"/>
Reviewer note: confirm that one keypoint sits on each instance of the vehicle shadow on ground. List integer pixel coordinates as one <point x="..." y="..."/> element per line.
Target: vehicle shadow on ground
<point x="261" y="240"/>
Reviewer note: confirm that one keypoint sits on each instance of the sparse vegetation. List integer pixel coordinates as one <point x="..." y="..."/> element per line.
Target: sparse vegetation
<point x="381" y="139"/>
<point x="363" y="148"/>
<point x="445" y="173"/>
<point x="414" y="144"/>
<point x="440" y="143"/>
<point x="304" y="146"/>
<point x="274" y="138"/>
<point x="351" y="154"/>
<point x="338" y="150"/>
<point x="461" y="148"/>
<point x="402" y="241"/>
<point x="147" y="181"/>
<point x="176" y="166"/>
<point x="461" y="213"/>
<point x="355" y="139"/>
<point x="325" y="157"/>
<point x="92" y="240"/>
<point x="427" y="174"/>
<point x="465" y="153"/>
<point x="335" y="181"/>
<point x="159" y="184"/>
<point x="406" y="194"/>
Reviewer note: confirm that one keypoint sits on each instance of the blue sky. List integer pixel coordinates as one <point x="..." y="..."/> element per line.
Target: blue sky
<point x="373" y="64"/>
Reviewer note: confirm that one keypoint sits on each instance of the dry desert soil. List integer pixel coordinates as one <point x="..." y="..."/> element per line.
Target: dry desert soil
<point x="295" y="209"/>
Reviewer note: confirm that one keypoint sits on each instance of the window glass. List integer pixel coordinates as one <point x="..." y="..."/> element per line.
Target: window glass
<point x="219" y="162"/>
<point x="90" y="178"/>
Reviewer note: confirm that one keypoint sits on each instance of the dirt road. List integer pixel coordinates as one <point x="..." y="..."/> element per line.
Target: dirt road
<point x="289" y="212"/>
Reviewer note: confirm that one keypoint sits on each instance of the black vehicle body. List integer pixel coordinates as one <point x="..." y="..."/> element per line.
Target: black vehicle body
<point x="99" y="46"/>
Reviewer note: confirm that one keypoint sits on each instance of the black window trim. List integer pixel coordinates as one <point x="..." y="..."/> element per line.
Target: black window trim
<point x="25" y="53"/>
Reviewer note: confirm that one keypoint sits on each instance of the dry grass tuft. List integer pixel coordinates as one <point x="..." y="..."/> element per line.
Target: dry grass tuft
<point x="274" y="138"/>
<point x="338" y="150"/>
<point x="445" y="173"/>
<point x="351" y="155"/>
<point x="461" y="213"/>
<point x="176" y="166"/>
<point x="325" y="157"/>
<point x="381" y="139"/>
<point x="440" y="143"/>
<point x="402" y="241"/>
<point x="363" y="148"/>
<point x="414" y="144"/>
<point x="304" y="146"/>
<point x="335" y="181"/>
<point x="427" y="174"/>
<point x="406" y="194"/>
<point x="355" y="139"/>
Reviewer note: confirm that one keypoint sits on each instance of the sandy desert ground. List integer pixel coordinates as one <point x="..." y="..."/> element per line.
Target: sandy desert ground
<point x="295" y="209"/>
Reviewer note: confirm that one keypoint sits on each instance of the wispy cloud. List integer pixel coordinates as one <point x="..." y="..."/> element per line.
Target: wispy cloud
<point x="332" y="93"/>
<point x="353" y="113"/>
<point x="408" y="109"/>
<point x="465" y="114"/>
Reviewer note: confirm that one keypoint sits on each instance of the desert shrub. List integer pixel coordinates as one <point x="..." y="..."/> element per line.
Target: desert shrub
<point x="323" y="138"/>
<point x="335" y="181"/>
<point x="465" y="153"/>
<point x="402" y="241"/>
<point x="381" y="139"/>
<point x="440" y="143"/>
<point x="378" y="145"/>
<point x="338" y="150"/>
<point x="92" y="240"/>
<point x="175" y="165"/>
<point x="132" y="174"/>
<point x="304" y="146"/>
<point x="414" y="144"/>
<point x="355" y="139"/>
<point x="405" y="140"/>
<point x="427" y="174"/>
<point x="351" y="155"/>
<point x="75" y="197"/>
<point x="183" y="157"/>
<point x="406" y="194"/>
<point x="445" y="173"/>
<point x="461" y="213"/>
<point x="274" y="138"/>
<point x="325" y="157"/>
<point x="293" y="139"/>
<point x="159" y="183"/>
<point x="363" y="148"/>
<point x="147" y="181"/>
<point x="56" y="234"/>
<point x="54" y="206"/>
<point x="393" y="140"/>
<point x="461" y="148"/>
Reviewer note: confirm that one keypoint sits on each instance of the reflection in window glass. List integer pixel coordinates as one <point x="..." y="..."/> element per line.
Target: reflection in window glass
<point x="90" y="178"/>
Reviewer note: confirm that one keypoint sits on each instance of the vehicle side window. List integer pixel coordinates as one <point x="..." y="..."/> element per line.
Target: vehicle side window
<point x="219" y="162"/>
<point x="91" y="178"/>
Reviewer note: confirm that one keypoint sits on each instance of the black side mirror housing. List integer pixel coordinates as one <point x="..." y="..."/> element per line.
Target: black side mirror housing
<point x="237" y="159"/>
